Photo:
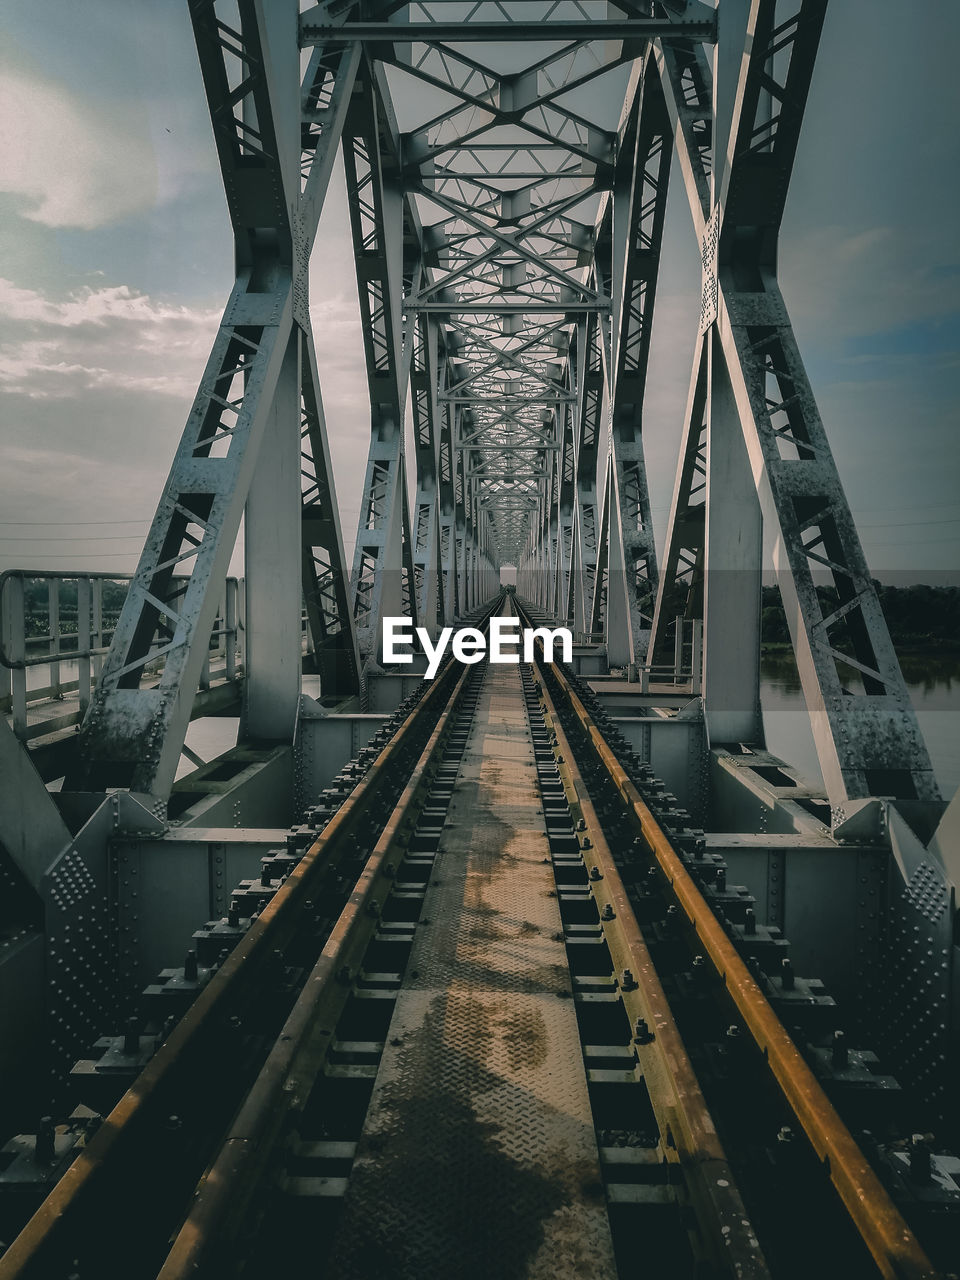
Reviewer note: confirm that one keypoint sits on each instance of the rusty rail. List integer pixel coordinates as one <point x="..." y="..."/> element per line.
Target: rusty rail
<point x="675" y="1095"/>
<point x="137" y="1143"/>
<point x="298" y="1054"/>
<point x="881" y="1226"/>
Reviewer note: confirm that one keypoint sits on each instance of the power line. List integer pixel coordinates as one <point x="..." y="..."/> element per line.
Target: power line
<point x="117" y="537"/>
<point x="67" y="524"/>
<point x="916" y="546"/>
<point x="909" y="524"/>
<point x="54" y="555"/>
<point x="912" y="506"/>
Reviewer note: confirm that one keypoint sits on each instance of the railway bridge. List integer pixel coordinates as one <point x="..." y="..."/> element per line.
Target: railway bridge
<point x="522" y="968"/>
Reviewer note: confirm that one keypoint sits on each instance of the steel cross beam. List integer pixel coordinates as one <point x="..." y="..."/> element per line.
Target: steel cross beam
<point x="766" y="446"/>
<point x="275" y="149"/>
<point x="590" y="391"/>
<point x="633" y="229"/>
<point x="580" y="30"/>
<point x="511" y="178"/>
<point x="383" y="572"/>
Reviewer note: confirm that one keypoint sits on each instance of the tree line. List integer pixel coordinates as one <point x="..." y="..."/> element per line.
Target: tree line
<point x="919" y="616"/>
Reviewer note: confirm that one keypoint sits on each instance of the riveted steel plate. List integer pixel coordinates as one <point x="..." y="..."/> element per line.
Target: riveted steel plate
<point x="478" y="1156"/>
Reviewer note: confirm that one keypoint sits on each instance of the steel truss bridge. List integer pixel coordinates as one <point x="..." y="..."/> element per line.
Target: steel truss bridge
<point x="486" y="975"/>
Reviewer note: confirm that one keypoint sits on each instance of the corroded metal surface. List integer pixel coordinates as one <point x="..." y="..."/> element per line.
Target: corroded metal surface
<point x="478" y="1156"/>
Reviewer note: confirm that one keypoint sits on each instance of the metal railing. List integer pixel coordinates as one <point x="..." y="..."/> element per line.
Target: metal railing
<point x="686" y="667"/>
<point x="69" y="625"/>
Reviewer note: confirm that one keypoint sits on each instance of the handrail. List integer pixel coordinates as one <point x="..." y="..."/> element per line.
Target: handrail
<point x="87" y="644"/>
<point x="17" y="662"/>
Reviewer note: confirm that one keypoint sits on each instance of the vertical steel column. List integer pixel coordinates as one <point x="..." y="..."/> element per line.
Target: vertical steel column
<point x="377" y="219"/>
<point x="864" y="727"/>
<point x="424" y="388"/>
<point x="589" y="387"/>
<point x="272" y="566"/>
<point x="733" y="537"/>
<point x="733" y="557"/>
<point x="133" y="734"/>
<point x="680" y="590"/>
<point x="327" y="91"/>
<point x="637" y="211"/>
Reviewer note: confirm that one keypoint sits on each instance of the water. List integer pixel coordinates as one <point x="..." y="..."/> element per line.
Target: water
<point x="933" y="681"/>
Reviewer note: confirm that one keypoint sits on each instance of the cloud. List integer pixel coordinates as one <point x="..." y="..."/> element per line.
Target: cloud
<point x="97" y="384"/>
<point x="95" y="338"/>
<point x="842" y="284"/>
<point x="70" y="163"/>
<point x="73" y="162"/>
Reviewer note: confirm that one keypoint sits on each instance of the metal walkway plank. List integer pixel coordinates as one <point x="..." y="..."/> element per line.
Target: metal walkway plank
<point x="478" y="1156"/>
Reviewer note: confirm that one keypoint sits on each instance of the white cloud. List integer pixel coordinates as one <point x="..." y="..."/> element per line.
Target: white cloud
<point x="841" y="284"/>
<point x="96" y="338"/>
<point x="73" y="165"/>
<point x="96" y="387"/>
<point x="74" y="162"/>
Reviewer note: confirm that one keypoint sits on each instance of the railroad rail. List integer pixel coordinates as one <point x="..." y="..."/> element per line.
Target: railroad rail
<point x="462" y="1024"/>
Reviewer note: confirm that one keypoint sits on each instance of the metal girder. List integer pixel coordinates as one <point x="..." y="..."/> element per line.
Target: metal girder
<point x="275" y="148"/>
<point x="680" y="590"/>
<point x="383" y="574"/>
<point x="566" y="489"/>
<point x="426" y="522"/>
<point x="590" y="391"/>
<point x="865" y="730"/>
<point x="562" y="307"/>
<point x="632" y="233"/>
<point x="327" y="88"/>
<point x="312" y="32"/>
<point x="326" y="585"/>
<point x="507" y="251"/>
<point x="505" y="182"/>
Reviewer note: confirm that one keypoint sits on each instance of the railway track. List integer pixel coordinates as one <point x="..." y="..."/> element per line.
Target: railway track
<point x="478" y="1018"/>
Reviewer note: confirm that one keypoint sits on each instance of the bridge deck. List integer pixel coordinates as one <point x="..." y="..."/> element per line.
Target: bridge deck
<point x="479" y="1156"/>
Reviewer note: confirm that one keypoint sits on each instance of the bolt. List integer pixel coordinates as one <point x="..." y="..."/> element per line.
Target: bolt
<point x="595" y="873"/>
<point x="190" y="969"/>
<point x="787" y="979"/>
<point x="131" y="1038"/>
<point x="641" y="1032"/>
<point x="921" y="1163"/>
<point x="607" y="913"/>
<point x="45" y="1145"/>
<point x="840" y="1051"/>
<point x="627" y="981"/>
<point x="749" y="922"/>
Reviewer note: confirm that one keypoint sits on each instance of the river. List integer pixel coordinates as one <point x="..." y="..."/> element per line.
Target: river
<point x="933" y="681"/>
<point x="934" y="684"/>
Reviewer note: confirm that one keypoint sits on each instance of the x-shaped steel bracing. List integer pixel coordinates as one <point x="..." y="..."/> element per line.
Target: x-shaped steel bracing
<point x="507" y="183"/>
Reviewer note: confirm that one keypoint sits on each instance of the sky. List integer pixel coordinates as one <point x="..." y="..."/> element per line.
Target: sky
<point x="116" y="260"/>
